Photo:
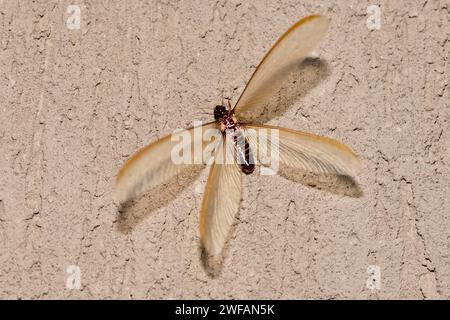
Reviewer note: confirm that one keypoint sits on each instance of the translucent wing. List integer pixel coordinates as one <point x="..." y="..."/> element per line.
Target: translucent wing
<point x="156" y="163"/>
<point x="220" y="201"/>
<point x="301" y="150"/>
<point x="290" y="50"/>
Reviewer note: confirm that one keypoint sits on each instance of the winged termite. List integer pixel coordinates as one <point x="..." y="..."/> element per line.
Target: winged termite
<point x="153" y="164"/>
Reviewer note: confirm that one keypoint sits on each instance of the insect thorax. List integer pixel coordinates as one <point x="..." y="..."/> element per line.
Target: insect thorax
<point x="229" y="124"/>
<point x="226" y="119"/>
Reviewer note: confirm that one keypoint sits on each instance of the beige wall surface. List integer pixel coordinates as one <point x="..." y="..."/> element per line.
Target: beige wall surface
<point x="75" y="103"/>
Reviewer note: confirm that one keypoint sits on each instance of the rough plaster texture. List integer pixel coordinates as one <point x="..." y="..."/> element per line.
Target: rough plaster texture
<point x="76" y="103"/>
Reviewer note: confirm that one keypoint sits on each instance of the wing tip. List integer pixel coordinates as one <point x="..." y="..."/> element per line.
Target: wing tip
<point x="356" y="166"/>
<point x="210" y="248"/>
<point x="317" y="16"/>
<point x="118" y="195"/>
<point x="122" y="191"/>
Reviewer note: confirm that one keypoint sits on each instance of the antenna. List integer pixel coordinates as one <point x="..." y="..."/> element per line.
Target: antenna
<point x="221" y="98"/>
<point x="229" y="103"/>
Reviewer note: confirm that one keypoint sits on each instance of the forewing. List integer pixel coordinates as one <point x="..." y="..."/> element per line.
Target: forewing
<point x="287" y="53"/>
<point x="220" y="202"/>
<point x="154" y="165"/>
<point x="301" y="150"/>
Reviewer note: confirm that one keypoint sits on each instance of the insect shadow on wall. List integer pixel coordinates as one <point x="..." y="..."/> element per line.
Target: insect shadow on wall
<point x="312" y="160"/>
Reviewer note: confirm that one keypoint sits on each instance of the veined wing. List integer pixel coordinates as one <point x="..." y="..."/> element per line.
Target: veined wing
<point x="221" y="200"/>
<point x="290" y="50"/>
<point x="301" y="150"/>
<point x="154" y="164"/>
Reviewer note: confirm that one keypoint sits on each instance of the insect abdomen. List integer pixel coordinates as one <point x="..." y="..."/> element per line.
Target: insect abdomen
<point x="244" y="153"/>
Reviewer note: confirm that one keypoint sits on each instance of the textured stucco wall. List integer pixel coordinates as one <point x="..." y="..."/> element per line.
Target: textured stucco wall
<point x="76" y="103"/>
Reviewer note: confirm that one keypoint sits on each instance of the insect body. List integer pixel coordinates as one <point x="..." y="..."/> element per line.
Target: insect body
<point x="230" y="127"/>
<point x="153" y="165"/>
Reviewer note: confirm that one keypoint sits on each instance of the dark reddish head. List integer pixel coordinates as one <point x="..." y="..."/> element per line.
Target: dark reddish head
<point x="220" y="112"/>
